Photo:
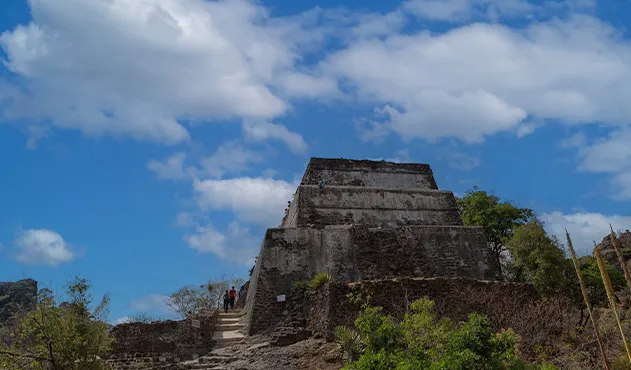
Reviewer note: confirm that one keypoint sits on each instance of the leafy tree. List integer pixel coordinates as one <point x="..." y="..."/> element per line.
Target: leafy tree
<point x="422" y="341"/>
<point x="537" y="258"/>
<point x="195" y="298"/>
<point x="499" y="219"/>
<point x="593" y="282"/>
<point x="67" y="336"/>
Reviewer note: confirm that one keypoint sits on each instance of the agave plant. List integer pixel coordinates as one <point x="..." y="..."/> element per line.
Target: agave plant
<point x="351" y="342"/>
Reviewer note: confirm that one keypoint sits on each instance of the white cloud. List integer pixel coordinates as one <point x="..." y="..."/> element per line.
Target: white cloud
<point x="481" y="79"/>
<point x="577" y="140"/>
<point x="137" y="68"/>
<point x="172" y="168"/>
<point x="43" y="247"/>
<point x="156" y="303"/>
<point x="463" y="10"/>
<point x="229" y="158"/>
<point x="237" y="244"/>
<point x="259" y="131"/>
<point x="611" y="155"/>
<point x="584" y="228"/>
<point x="258" y="200"/>
<point x="445" y="10"/>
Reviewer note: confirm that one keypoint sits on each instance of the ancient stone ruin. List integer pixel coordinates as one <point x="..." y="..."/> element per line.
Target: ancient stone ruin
<point x="361" y="220"/>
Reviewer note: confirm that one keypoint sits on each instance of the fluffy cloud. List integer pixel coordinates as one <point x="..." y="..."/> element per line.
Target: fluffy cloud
<point x="480" y="79"/>
<point x="43" y="247"/>
<point x="463" y="10"/>
<point x="237" y="244"/>
<point x="229" y="158"/>
<point x="140" y="68"/>
<point x="611" y="155"/>
<point x="137" y="68"/>
<point x="259" y="131"/>
<point x="261" y="201"/>
<point x="584" y="228"/>
<point x="172" y="168"/>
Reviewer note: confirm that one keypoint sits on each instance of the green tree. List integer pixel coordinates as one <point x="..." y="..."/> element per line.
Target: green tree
<point x="537" y="258"/>
<point x="593" y="282"/>
<point x="422" y="341"/>
<point x="498" y="219"/>
<point x="67" y="336"/>
<point x="195" y="298"/>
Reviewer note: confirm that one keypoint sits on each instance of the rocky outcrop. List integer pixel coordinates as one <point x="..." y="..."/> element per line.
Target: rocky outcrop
<point x="15" y="296"/>
<point x="609" y="253"/>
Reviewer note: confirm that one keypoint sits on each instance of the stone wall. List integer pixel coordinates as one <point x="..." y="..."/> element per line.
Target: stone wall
<point x="344" y="172"/>
<point x="350" y="253"/>
<point x="371" y="206"/>
<point x="455" y="298"/>
<point x="140" y="345"/>
<point x="420" y="251"/>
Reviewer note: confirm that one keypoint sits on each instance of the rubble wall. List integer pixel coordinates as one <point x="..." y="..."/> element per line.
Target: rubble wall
<point x="160" y="343"/>
<point x="455" y="298"/>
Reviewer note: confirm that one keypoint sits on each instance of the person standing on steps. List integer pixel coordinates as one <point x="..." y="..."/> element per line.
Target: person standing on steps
<point x="226" y="301"/>
<point x="233" y="295"/>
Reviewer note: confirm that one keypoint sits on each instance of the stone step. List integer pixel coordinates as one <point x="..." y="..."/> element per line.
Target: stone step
<point x="228" y="320"/>
<point x="227" y="326"/>
<point x="232" y="314"/>
<point x="231" y="334"/>
<point x="228" y="342"/>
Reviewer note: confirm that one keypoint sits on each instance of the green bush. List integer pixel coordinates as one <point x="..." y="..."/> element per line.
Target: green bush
<point x="424" y="342"/>
<point x="319" y="280"/>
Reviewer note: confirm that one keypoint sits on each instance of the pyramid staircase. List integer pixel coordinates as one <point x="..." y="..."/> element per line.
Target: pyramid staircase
<point x="228" y="332"/>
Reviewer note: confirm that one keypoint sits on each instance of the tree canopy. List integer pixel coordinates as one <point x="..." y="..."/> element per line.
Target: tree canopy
<point x="66" y="336"/>
<point x="498" y="219"/>
<point x="537" y="258"/>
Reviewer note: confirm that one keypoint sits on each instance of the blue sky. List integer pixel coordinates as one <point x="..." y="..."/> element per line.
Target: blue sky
<point x="147" y="145"/>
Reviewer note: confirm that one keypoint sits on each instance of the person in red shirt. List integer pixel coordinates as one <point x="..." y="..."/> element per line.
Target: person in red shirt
<point x="233" y="295"/>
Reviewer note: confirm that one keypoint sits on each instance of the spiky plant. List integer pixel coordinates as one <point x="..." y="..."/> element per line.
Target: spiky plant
<point x="351" y="342"/>
<point x="319" y="280"/>
<point x="611" y="297"/>
<point x="618" y="249"/>
<point x="586" y="298"/>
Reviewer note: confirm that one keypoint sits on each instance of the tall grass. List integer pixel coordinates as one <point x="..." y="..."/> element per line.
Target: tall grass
<point x="611" y="297"/>
<point x="586" y="298"/>
<point x="618" y="249"/>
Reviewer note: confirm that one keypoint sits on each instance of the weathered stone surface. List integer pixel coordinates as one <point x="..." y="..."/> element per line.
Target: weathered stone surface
<point x="355" y="253"/>
<point x="371" y="206"/>
<point x="144" y="346"/>
<point x="609" y="253"/>
<point x="455" y="298"/>
<point x="379" y="174"/>
<point x="14" y="296"/>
